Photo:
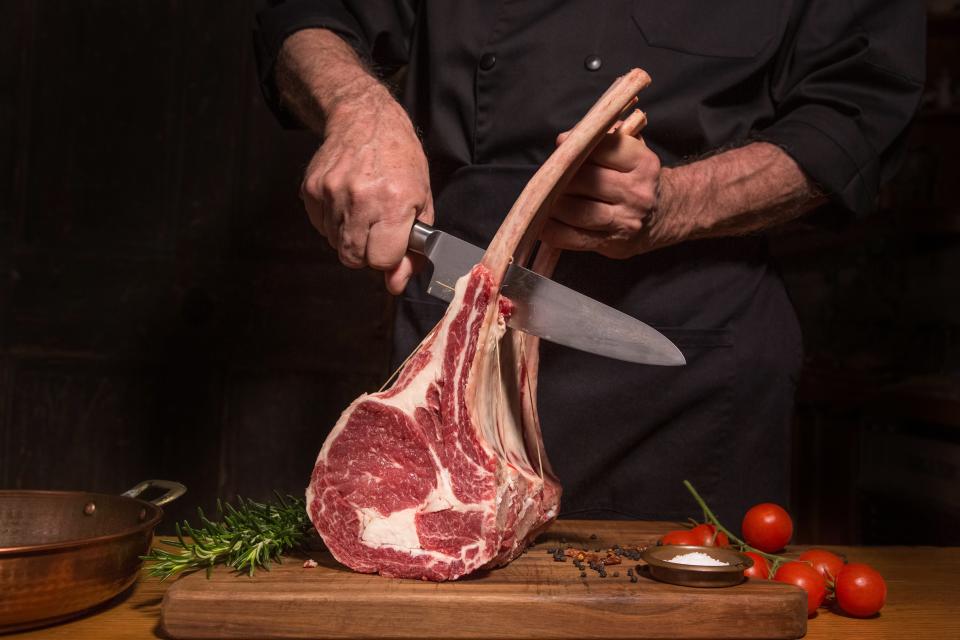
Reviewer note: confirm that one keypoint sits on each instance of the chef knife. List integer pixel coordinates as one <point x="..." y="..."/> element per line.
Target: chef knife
<point x="544" y="308"/>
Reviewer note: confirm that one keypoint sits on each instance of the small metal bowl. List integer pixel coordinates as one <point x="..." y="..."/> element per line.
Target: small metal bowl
<point x="691" y="575"/>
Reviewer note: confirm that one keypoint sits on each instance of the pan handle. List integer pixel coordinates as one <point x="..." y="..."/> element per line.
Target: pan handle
<point x="174" y="490"/>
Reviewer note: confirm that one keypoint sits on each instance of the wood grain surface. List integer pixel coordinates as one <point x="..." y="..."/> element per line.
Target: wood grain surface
<point x="922" y="582"/>
<point x="533" y="597"/>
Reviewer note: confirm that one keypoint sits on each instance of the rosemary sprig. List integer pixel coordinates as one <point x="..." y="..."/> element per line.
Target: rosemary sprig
<point x="247" y="537"/>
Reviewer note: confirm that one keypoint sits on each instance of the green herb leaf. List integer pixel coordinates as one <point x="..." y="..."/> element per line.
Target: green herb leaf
<point x="247" y="537"/>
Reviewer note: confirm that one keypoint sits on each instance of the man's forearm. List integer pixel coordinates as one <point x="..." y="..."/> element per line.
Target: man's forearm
<point x="318" y="73"/>
<point x="732" y="193"/>
<point x="369" y="179"/>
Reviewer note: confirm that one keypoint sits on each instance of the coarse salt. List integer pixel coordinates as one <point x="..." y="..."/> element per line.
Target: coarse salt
<point x="698" y="558"/>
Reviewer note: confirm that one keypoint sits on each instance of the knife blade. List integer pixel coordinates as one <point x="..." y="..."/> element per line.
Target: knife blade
<point x="545" y="308"/>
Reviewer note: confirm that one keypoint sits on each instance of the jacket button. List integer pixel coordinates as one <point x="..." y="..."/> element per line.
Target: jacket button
<point x="487" y="61"/>
<point x="592" y="62"/>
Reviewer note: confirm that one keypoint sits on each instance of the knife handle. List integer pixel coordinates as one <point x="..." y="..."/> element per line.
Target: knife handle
<point x="420" y="236"/>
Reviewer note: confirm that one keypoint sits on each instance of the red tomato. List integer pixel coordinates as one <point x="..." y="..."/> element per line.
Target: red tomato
<point x="860" y="590"/>
<point x="767" y="527"/>
<point x="703" y="533"/>
<point x="827" y="563"/>
<point x="708" y="536"/>
<point x="722" y="540"/>
<point x="807" y="578"/>
<point x="760" y="568"/>
<point x="680" y="536"/>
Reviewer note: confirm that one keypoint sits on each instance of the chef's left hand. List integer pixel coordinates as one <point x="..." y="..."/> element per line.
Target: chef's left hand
<point x="611" y="203"/>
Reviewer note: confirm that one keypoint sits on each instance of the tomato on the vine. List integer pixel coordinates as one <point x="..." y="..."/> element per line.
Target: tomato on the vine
<point x="703" y="534"/>
<point x="807" y="578"/>
<point x="708" y="536"/>
<point x="718" y="538"/>
<point x="680" y="536"/>
<point x="767" y="527"/>
<point x="760" y="568"/>
<point x="827" y="563"/>
<point x="861" y="591"/>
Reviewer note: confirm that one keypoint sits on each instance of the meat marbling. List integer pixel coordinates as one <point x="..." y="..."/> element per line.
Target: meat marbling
<point x="445" y="472"/>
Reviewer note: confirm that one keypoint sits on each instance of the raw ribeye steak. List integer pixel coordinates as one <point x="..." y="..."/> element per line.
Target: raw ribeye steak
<point x="445" y="472"/>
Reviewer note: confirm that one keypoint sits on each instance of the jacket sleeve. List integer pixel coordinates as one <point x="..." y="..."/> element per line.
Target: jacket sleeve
<point x="845" y="87"/>
<point x="379" y="31"/>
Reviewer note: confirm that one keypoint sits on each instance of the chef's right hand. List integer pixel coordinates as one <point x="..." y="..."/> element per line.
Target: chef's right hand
<point x="367" y="183"/>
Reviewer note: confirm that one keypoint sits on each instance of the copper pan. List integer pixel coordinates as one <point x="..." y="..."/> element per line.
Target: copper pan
<point x="63" y="552"/>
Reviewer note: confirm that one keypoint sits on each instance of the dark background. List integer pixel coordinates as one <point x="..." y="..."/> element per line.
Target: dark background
<point x="166" y="310"/>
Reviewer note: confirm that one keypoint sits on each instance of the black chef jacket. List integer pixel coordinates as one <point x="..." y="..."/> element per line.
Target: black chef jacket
<point x="489" y="84"/>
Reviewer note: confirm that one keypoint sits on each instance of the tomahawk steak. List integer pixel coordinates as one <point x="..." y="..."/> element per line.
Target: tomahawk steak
<point x="445" y="472"/>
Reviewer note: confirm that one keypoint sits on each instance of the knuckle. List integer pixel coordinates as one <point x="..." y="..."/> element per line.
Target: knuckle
<point x="329" y="185"/>
<point x="647" y="199"/>
<point x="382" y="192"/>
<point x="619" y="234"/>
<point x="348" y="248"/>
<point x="607" y="218"/>
<point x="311" y="187"/>
<point x="391" y="191"/>
<point x="357" y="191"/>
<point x="630" y="226"/>
<point x="350" y="259"/>
<point x="351" y="248"/>
<point x="644" y="195"/>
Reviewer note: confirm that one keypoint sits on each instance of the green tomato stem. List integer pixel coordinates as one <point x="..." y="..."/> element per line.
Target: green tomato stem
<point x="710" y="517"/>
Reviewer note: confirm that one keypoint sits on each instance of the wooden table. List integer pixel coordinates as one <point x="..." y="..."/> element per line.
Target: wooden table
<point x="923" y="582"/>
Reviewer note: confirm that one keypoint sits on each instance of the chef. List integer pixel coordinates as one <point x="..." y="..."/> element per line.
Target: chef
<point x="759" y="111"/>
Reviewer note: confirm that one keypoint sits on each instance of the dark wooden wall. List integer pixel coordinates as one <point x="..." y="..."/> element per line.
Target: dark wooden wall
<point x="166" y="310"/>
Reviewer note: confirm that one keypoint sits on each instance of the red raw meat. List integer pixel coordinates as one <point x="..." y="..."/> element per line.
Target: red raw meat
<point x="445" y="473"/>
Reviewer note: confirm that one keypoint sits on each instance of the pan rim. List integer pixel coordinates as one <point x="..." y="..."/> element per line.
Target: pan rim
<point x="147" y="525"/>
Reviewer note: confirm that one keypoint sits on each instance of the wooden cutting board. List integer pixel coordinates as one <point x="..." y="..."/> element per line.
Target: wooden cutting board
<point x="533" y="597"/>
